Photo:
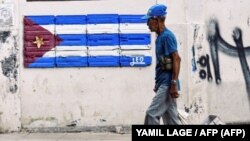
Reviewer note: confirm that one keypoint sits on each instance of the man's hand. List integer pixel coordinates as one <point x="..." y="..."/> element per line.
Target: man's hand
<point x="173" y="91"/>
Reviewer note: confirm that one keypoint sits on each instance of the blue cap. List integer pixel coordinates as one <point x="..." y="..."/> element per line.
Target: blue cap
<point x="157" y="10"/>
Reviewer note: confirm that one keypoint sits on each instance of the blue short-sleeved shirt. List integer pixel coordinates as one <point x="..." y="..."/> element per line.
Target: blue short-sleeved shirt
<point x="165" y="45"/>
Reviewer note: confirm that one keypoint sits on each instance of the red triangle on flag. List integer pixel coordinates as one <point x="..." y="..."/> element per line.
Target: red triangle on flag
<point x="37" y="41"/>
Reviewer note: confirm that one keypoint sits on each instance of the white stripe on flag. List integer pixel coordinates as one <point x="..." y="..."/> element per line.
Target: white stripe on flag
<point x="135" y="53"/>
<point x="104" y="53"/>
<point x="135" y="47"/>
<point x="70" y="53"/>
<point x="50" y="28"/>
<point x="61" y="48"/>
<point x="50" y="53"/>
<point x="102" y="28"/>
<point x="71" y="29"/>
<point x="133" y="28"/>
<point x="93" y="48"/>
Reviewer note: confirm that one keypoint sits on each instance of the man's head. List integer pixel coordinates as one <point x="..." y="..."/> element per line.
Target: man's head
<point x="156" y="17"/>
<point x="158" y="10"/>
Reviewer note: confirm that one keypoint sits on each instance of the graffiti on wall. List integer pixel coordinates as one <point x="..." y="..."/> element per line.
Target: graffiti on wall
<point x="205" y="72"/>
<point x="4" y="35"/>
<point x="217" y="43"/>
<point x="200" y="59"/>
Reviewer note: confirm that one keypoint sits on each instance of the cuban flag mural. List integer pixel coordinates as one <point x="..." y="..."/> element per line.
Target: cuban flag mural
<point x="134" y="41"/>
<point x="92" y="40"/>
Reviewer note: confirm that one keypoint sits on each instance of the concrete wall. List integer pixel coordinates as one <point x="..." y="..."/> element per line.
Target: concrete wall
<point x="210" y="31"/>
<point x="88" y="96"/>
<point x="10" y="64"/>
<point x="37" y="98"/>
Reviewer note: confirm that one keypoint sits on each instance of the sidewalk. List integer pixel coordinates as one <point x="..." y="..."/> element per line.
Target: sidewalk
<point x="83" y="136"/>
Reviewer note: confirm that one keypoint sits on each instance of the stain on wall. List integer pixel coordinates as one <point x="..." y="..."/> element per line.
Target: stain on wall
<point x="9" y="64"/>
<point x="248" y="21"/>
<point x="9" y="69"/>
<point x="196" y="107"/>
<point x="4" y="35"/>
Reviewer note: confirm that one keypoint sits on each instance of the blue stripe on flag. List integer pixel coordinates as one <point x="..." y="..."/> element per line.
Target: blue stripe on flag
<point x="71" y="64"/>
<point x="135" y="39"/>
<point x="72" y="61"/>
<point x="102" y="19"/>
<point x="103" y="39"/>
<point x="104" y="61"/>
<point x="73" y="39"/>
<point x="42" y="20"/>
<point x="43" y="62"/>
<point x="132" y="19"/>
<point x="71" y="19"/>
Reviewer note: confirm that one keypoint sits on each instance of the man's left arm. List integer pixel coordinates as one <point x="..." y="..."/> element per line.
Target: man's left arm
<point x="176" y="70"/>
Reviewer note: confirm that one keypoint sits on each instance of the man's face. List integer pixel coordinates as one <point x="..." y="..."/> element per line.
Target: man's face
<point x="152" y="24"/>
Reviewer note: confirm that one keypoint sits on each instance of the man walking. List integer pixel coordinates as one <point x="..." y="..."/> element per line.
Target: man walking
<point x="167" y="70"/>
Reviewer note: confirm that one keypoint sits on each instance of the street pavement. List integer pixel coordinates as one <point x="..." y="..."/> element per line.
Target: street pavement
<point x="82" y="136"/>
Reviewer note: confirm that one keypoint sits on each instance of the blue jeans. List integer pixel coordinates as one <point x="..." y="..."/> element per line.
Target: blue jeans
<point x="162" y="105"/>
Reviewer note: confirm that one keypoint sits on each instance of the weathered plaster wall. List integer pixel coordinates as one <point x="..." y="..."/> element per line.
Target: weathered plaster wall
<point x="119" y="96"/>
<point x="87" y="96"/>
<point x="9" y="76"/>
<point x="222" y="34"/>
